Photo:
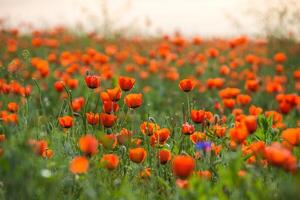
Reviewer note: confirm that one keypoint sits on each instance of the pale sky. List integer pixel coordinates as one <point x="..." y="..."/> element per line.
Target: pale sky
<point x="191" y="17"/>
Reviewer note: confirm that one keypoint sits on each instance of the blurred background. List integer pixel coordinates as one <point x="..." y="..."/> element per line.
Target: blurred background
<point x="150" y="17"/>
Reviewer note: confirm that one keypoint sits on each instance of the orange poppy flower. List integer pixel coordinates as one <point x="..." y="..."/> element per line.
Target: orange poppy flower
<point x="92" y="118"/>
<point x="279" y="57"/>
<point x="239" y="133"/>
<point x="251" y="59"/>
<point x="133" y="100"/>
<point x="114" y="94"/>
<point x="187" y="129"/>
<point x="238" y="114"/>
<point x="145" y="173"/>
<point x="148" y="128"/>
<point x="72" y="83"/>
<point x="285" y="107"/>
<point x="107" y="120"/>
<point x="164" y="156"/>
<point x="216" y="148"/>
<point x="104" y="96"/>
<point x="224" y="70"/>
<point x="162" y="135"/>
<point x="88" y="144"/>
<point x="66" y="121"/>
<point x="228" y="93"/>
<point x="137" y="155"/>
<point x="59" y="86"/>
<point x="187" y="85"/>
<point x="110" y="161"/>
<point x="25" y="91"/>
<point x="215" y="83"/>
<point x="12" y="107"/>
<point x="110" y="107"/>
<point x="38" y="146"/>
<point x="229" y="103"/>
<point x="197" y="137"/>
<point x="296" y="74"/>
<point x="291" y="135"/>
<point x="251" y="123"/>
<point x="253" y="110"/>
<point x="10" y="118"/>
<point x="243" y="99"/>
<point x="48" y="153"/>
<point x="92" y="81"/>
<point x="212" y="53"/>
<point x="126" y="83"/>
<point x="77" y="104"/>
<point x="183" y="166"/>
<point x="2" y="137"/>
<point x="219" y="130"/>
<point x="79" y="165"/>
<point x="280" y="156"/>
<point x="257" y="147"/>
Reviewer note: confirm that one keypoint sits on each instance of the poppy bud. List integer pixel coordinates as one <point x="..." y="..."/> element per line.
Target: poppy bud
<point x="110" y="161"/>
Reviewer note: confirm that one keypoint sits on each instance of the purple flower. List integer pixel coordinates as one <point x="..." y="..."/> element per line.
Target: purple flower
<point x="206" y="146"/>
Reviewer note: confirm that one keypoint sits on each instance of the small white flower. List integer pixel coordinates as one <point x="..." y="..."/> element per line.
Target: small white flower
<point x="46" y="173"/>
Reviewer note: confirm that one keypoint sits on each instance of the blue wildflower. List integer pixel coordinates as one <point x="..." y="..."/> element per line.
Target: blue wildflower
<point x="206" y="146"/>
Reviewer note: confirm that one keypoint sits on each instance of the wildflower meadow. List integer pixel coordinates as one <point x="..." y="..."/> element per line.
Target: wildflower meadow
<point x="169" y="117"/>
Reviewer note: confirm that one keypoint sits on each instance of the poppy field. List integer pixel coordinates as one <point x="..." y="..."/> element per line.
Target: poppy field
<point x="90" y="117"/>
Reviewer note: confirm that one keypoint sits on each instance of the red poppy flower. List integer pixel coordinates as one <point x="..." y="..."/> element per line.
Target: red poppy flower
<point x="107" y="120"/>
<point x="164" y="156"/>
<point x="66" y="121"/>
<point x="126" y="83"/>
<point x="187" y="85"/>
<point x="92" y="81"/>
<point x="198" y="116"/>
<point x="92" y="118"/>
